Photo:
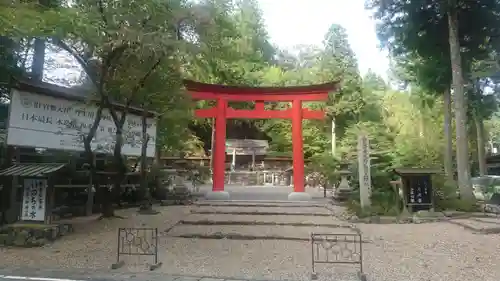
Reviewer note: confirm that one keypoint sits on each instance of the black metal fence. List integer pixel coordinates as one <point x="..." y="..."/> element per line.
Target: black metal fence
<point x="138" y="242"/>
<point x="337" y="248"/>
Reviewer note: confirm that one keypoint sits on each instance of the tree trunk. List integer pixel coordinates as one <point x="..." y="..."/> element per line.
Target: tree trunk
<point x="421" y="127"/>
<point x="334" y="137"/>
<point x="146" y="204"/>
<point x="118" y="169"/>
<point x="156" y="164"/>
<point x="38" y="59"/>
<point x="89" y="154"/>
<point x="92" y="175"/>
<point x="448" y="152"/>
<point x="107" y="211"/>
<point x="481" y="151"/>
<point x="479" y="124"/>
<point x="464" y="183"/>
<point x="39" y="52"/>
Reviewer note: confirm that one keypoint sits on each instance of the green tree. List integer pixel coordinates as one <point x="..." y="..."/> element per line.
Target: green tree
<point x="338" y="63"/>
<point x="430" y="32"/>
<point x="373" y="82"/>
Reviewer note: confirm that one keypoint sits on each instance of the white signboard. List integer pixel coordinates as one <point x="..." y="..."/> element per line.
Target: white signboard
<point x="365" y="181"/>
<point x="54" y="123"/>
<point x="35" y="191"/>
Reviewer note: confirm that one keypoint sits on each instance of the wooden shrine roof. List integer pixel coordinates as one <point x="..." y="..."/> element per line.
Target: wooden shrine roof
<point x="32" y="169"/>
<point x="246" y="143"/>
<point x="68" y="93"/>
<point x="194" y="86"/>
<point x="247" y="146"/>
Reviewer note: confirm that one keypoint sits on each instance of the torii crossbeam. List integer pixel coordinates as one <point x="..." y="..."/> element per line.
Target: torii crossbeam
<point x="221" y="112"/>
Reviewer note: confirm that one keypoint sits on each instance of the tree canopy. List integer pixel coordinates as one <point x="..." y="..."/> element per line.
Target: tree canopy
<point x="137" y="53"/>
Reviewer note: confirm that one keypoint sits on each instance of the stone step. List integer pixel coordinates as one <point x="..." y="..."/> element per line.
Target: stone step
<point x="246" y="232"/>
<point x="277" y="219"/>
<point x="253" y="213"/>
<point x="270" y="203"/>
<point x="257" y="223"/>
<point x="285" y="210"/>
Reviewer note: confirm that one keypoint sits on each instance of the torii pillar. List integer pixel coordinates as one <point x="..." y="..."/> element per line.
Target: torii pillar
<point x="221" y="112"/>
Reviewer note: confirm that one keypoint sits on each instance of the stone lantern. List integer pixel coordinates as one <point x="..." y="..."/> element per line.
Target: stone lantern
<point x="343" y="190"/>
<point x="180" y="189"/>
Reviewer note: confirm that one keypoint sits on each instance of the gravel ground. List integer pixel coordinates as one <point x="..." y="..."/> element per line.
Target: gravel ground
<point x="283" y="260"/>
<point x="433" y="251"/>
<point x="94" y="243"/>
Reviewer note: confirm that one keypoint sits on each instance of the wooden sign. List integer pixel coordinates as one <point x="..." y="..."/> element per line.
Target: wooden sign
<point x="34" y="206"/>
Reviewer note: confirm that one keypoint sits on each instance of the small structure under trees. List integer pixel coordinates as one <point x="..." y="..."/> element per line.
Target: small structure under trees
<point x="44" y="117"/>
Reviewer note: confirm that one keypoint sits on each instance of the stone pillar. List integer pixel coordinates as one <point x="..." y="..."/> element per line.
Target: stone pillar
<point x="365" y="185"/>
<point x="181" y="191"/>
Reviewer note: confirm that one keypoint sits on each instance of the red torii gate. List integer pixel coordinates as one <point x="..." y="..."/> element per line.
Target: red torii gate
<point x="223" y="94"/>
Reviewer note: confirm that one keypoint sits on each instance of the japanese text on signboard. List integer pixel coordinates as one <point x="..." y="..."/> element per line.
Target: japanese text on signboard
<point x="33" y="208"/>
<point x="47" y="122"/>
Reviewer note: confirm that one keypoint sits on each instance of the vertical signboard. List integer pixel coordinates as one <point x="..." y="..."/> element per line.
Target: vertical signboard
<point x="35" y="191"/>
<point x="419" y="192"/>
<point x="365" y="182"/>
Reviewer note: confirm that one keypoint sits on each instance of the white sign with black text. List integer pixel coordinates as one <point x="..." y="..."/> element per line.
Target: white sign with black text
<point x="47" y="122"/>
<point x="35" y="192"/>
<point x="365" y="181"/>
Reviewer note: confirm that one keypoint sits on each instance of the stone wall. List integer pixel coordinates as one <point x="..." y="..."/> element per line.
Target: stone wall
<point x="32" y="234"/>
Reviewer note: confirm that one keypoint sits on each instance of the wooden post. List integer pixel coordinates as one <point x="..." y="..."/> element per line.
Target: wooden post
<point x="15" y="182"/>
<point x="253" y="159"/>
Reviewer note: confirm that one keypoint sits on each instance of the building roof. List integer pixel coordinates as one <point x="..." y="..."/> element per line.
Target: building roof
<point x="247" y="143"/>
<point x="56" y="91"/>
<point x="416" y="171"/>
<point x="247" y="146"/>
<point x="32" y="169"/>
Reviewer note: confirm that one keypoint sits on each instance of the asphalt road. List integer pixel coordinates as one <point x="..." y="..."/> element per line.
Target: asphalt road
<point x="31" y="274"/>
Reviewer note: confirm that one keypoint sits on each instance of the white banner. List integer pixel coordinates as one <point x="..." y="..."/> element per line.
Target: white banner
<point x="46" y="122"/>
<point x="35" y="192"/>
